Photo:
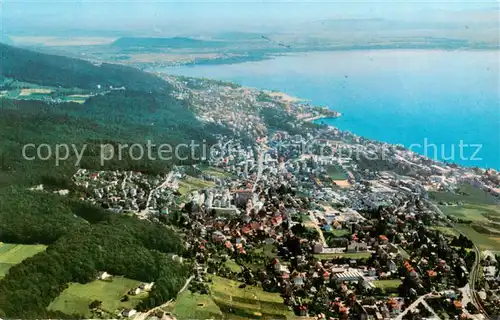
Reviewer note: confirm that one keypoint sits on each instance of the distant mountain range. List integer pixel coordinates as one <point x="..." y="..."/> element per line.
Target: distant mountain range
<point x="166" y="43"/>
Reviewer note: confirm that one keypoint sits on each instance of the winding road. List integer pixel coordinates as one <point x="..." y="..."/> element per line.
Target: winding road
<point x="469" y="289"/>
<point x="144" y="315"/>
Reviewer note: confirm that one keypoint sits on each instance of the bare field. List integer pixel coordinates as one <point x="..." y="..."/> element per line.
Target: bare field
<point x="27" y="92"/>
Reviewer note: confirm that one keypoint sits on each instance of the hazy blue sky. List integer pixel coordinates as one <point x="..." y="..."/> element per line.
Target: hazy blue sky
<point x="151" y="15"/>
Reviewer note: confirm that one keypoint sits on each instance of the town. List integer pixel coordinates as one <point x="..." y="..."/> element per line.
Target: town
<point x="334" y="225"/>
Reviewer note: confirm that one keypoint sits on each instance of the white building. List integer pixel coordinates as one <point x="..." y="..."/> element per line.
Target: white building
<point x="348" y="276"/>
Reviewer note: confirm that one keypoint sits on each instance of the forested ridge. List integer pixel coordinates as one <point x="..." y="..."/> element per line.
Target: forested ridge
<point x="83" y="239"/>
<point x="52" y="70"/>
<point x="129" y="116"/>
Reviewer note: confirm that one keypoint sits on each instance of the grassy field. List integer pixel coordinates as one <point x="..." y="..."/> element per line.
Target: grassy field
<point x="349" y="255"/>
<point x="483" y="241"/>
<point x="189" y="184"/>
<point x="304" y="216"/>
<point x="387" y="284"/>
<point x="336" y="172"/>
<point x="248" y="302"/>
<point x="466" y="193"/>
<point x="478" y="209"/>
<point x="231" y="264"/>
<point x="77" y="297"/>
<point x="269" y="250"/>
<point x="216" y="172"/>
<point x="473" y="212"/>
<point x="12" y="254"/>
<point x="403" y="253"/>
<point x="228" y="301"/>
<point x="447" y="231"/>
<point x="190" y="305"/>
<point x="339" y="232"/>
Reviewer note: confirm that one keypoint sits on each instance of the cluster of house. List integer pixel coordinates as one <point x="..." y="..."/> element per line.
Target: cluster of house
<point x="239" y="108"/>
<point x="261" y="215"/>
<point x="124" y="191"/>
<point x="143" y="287"/>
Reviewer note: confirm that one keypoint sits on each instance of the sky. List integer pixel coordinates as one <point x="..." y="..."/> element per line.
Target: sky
<point x="204" y="15"/>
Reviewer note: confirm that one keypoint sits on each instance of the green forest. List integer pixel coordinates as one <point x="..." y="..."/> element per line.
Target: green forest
<point x="83" y="240"/>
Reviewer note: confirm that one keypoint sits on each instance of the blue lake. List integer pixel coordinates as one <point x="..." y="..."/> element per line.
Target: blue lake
<point x="415" y="98"/>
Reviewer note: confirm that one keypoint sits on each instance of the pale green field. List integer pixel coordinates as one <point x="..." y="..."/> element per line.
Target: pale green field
<point x="227" y="301"/>
<point x="336" y="172"/>
<point x="469" y="194"/>
<point x="231" y="264"/>
<point x="77" y="297"/>
<point x="447" y="231"/>
<point x="403" y="253"/>
<point x="387" y="284"/>
<point x="473" y="213"/>
<point x="483" y="241"/>
<point x="190" y="184"/>
<point x="340" y="232"/>
<point x="249" y="302"/>
<point x="216" y="172"/>
<point x="480" y="215"/>
<point x="190" y="305"/>
<point x="12" y="254"/>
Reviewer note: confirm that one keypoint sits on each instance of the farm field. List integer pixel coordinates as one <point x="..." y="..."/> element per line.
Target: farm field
<point x="473" y="213"/>
<point x="466" y="193"/>
<point x="28" y="91"/>
<point x="349" y="255"/>
<point x="12" y="254"/>
<point x="483" y="241"/>
<point x="77" y="297"/>
<point x="478" y="214"/>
